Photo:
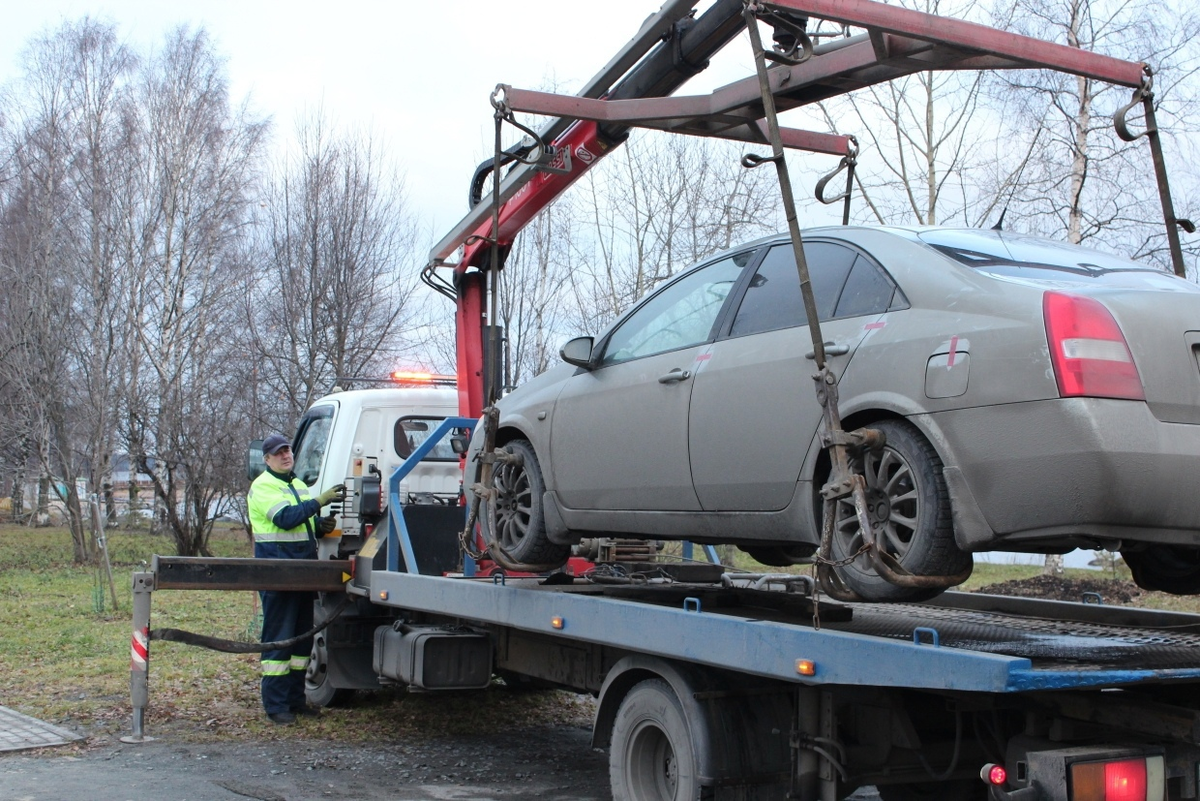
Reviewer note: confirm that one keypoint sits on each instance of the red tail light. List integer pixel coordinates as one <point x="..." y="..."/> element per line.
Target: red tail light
<point x="1125" y="780"/>
<point x="1090" y="355"/>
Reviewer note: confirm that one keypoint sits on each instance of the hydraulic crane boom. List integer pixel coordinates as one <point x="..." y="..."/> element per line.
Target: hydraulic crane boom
<point x="672" y="46"/>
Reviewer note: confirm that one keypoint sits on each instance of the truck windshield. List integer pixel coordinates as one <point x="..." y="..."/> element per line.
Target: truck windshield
<point x="312" y="439"/>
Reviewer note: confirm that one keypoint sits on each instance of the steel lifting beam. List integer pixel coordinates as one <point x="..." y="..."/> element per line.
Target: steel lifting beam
<point x="273" y="575"/>
<point x="898" y="42"/>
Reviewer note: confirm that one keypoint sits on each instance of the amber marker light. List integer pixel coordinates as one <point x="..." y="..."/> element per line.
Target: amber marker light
<point x="557" y="622"/>
<point x="383" y="595"/>
<point x="806" y="667"/>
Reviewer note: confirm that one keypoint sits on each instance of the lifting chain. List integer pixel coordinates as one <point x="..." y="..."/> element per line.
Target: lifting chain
<point x="1144" y="96"/>
<point x="843" y="480"/>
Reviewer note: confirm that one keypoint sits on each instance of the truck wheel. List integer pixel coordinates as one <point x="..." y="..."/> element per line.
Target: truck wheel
<point x="907" y="498"/>
<point x="317" y="686"/>
<point x="1166" y="568"/>
<point x="961" y="790"/>
<point x="516" y="519"/>
<point x="651" y="755"/>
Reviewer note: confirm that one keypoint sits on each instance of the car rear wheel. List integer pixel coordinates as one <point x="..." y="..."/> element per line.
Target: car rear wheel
<point x="909" y="505"/>
<point x="516" y="520"/>
<point x="1166" y="568"/>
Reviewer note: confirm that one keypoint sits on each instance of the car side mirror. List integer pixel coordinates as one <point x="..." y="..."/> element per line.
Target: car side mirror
<point x="578" y="352"/>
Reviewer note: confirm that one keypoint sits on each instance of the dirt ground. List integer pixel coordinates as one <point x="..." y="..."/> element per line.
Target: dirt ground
<point x="1060" y="588"/>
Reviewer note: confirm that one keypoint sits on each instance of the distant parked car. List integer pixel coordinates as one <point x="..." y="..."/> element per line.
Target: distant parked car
<point x="1035" y="396"/>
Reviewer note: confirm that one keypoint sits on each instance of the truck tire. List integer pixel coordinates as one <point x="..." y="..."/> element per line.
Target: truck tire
<point x="651" y="755"/>
<point x="1166" y="568"/>
<point x="516" y="520"/>
<point x="907" y="495"/>
<point x="317" y="686"/>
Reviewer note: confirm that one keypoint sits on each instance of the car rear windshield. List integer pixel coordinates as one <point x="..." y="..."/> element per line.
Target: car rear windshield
<point x="1021" y="256"/>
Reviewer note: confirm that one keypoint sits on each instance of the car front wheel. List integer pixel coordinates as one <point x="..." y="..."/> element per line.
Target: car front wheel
<point x="515" y="519"/>
<point x="909" y="507"/>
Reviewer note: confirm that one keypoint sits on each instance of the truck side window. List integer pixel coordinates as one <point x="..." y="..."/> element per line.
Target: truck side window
<point x="410" y="432"/>
<point x="312" y="439"/>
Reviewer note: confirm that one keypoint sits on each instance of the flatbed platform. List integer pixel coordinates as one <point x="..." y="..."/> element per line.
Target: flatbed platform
<point x="960" y="641"/>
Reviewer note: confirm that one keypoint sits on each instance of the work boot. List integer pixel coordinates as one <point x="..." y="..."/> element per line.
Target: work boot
<point x="306" y="710"/>
<point x="282" y="718"/>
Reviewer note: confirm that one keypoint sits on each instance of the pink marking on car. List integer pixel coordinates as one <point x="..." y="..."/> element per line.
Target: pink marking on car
<point x="953" y="349"/>
<point x="873" y="326"/>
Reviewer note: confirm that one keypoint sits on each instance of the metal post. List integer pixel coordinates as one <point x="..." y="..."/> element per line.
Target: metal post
<point x="139" y="665"/>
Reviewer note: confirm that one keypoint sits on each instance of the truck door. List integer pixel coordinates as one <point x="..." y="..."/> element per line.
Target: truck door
<point x="754" y="410"/>
<point x="619" y="435"/>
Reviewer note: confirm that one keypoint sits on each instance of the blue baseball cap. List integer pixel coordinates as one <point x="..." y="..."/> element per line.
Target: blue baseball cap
<point x="273" y="443"/>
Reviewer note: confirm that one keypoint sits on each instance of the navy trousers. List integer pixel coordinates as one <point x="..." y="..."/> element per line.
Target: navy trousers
<point x="285" y="614"/>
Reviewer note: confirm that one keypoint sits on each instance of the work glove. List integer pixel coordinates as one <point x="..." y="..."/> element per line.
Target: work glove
<point x="326" y="525"/>
<point x="335" y="493"/>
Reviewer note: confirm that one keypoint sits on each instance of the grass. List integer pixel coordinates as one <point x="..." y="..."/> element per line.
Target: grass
<point x="64" y="658"/>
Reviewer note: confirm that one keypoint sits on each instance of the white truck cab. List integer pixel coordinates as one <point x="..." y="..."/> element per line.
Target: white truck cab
<point x="359" y="437"/>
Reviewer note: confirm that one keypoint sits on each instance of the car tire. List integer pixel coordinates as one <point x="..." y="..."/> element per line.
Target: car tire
<point x="516" y="520"/>
<point x="907" y="494"/>
<point x="1165" y="568"/>
<point x="651" y="756"/>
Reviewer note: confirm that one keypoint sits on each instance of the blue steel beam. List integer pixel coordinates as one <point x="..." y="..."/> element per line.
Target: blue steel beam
<point x="758" y="647"/>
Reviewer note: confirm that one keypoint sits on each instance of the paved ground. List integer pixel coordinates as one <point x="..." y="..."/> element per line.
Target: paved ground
<point x="551" y="763"/>
<point x="19" y="732"/>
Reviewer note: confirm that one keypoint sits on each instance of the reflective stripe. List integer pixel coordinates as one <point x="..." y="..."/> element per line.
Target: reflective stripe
<point x="281" y="536"/>
<point x="275" y="667"/>
<point x="299" y="663"/>
<point x="277" y="508"/>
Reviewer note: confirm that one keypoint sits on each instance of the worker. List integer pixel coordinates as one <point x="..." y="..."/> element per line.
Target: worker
<point x="286" y="520"/>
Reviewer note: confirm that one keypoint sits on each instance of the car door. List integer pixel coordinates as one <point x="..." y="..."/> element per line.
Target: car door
<point x="754" y="410"/>
<point x="619" y="433"/>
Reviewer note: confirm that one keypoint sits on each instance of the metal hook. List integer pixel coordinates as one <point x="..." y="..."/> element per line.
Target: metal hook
<point x="847" y="163"/>
<point x="752" y="160"/>
<point x="1141" y="96"/>
<point x="784" y="53"/>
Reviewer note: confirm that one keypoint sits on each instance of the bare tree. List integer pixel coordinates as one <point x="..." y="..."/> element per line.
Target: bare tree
<point x="337" y="269"/>
<point x="1085" y="184"/>
<point x="185" y="253"/>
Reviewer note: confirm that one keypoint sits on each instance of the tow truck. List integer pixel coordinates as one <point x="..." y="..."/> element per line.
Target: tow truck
<point x="713" y="684"/>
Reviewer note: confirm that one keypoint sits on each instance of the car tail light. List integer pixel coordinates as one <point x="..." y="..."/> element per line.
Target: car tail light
<point x="1139" y="779"/>
<point x="1090" y="355"/>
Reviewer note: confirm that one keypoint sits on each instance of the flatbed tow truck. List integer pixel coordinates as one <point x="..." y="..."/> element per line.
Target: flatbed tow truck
<point x="718" y="685"/>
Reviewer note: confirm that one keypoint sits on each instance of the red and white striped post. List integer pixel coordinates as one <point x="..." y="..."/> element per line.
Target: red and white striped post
<point x="139" y="664"/>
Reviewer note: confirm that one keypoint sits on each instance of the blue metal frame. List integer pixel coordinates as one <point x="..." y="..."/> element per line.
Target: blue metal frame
<point x="754" y="646"/>
<point x="398" y="537"/>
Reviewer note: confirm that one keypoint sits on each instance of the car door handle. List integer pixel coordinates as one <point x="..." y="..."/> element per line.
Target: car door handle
<point x="831" y="349"/>
<point x="675" y="376"/>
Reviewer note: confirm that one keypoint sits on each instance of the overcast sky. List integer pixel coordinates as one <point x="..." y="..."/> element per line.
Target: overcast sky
<point x="417" y="74"/>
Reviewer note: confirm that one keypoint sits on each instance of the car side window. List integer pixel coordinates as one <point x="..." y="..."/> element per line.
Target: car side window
<point x="867" y="291"/>
<point x="679" y="316"/>
<point x="773" y="299"/>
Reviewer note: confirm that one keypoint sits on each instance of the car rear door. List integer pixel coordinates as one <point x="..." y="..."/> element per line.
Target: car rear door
<point x="619" y="433"/>
<point x="754" y="410"/>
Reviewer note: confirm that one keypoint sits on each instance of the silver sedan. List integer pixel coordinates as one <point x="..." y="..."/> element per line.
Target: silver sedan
<point x="1035" y="397"/>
